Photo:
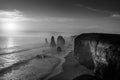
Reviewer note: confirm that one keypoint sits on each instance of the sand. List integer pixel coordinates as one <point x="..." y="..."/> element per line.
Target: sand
<point x="70" y="69"/>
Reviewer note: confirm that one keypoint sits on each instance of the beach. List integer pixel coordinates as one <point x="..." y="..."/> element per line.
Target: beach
<point x="71" y="69"/>
<point x="38" y="61"/>
<point x="23" y="59"/>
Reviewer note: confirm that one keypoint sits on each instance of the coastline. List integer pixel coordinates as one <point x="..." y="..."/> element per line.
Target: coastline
<point x="47" y="75"/>
<point x="58" y="67"/>
<point x="70" y="69"/>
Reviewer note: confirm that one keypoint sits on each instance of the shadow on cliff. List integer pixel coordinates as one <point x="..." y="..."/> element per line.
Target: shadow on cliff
<point x="100" y="53"/>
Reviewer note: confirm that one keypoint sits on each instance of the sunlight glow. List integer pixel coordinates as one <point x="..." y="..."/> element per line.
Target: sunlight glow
<point x="10" y="26"/>
<point x="10" y="21"/>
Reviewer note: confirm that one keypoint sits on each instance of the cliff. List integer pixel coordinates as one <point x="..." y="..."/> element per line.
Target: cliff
<point x="100" y="53"/>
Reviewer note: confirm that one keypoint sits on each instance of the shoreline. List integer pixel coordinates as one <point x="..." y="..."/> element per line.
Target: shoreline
<point x="56" y="70"/>
<point x="70" y="69"/>
<point x="47" y="75"/>
<point x="59" y="68"/>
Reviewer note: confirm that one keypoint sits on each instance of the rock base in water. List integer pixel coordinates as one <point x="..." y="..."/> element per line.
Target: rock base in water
<point x="87" y="77"/>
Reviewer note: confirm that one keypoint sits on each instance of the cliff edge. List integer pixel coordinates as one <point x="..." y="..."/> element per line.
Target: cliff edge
<point x="99" y="52"/>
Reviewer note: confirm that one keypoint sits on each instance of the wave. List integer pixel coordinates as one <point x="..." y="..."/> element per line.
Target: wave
<point x="19" y="64"/>
<point x="15" y="50"/>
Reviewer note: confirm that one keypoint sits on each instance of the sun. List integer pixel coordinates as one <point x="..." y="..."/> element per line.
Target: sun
<point x="10" y="26"/>
<point x="10" y="21"/>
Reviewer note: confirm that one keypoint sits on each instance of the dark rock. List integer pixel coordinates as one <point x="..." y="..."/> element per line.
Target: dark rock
<point x="46" y="41"/>
<point x="60" y="41"/>
<point x="52" y="44"/>
<point x="86" y="77"/>
<point x="99" y="52"/>
<point x="42" y="56"/>
<point x="59" y="49"/>
<point x="82" y="53"/>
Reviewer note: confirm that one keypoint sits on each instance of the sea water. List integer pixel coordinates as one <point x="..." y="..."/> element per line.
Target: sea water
<point x="17" y="57"/>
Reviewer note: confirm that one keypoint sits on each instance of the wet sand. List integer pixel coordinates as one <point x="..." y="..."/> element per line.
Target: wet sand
<point x="70" y="69"/>
<point x="58" y="68"/>
<point x="65" y="68"/>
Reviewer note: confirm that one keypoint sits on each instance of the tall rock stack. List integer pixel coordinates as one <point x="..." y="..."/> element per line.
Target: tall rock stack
<point x="100" y="53"/>
<point x="52" y="44"/>
<point x="46" y="41"/>
<point x="60" y="41"/>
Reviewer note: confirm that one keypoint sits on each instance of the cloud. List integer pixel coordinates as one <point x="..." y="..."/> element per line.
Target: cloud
<point x="11" y="14"/>
<point x="54" y="19"/>
<point x="93" y="9"/>
<point x="18" y="16"/>
<point x="115" y="15"/>
<point x="111" y="14"/>
<point x="14" y="15"/>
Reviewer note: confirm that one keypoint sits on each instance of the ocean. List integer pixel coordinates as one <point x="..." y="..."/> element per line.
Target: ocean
<point x="18" y="59"/>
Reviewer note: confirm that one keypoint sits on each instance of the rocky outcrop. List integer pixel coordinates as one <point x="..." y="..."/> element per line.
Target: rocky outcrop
<point x="60" y="41"/>
<point x="52" y="43"/>
<point x="86" y="77"/>
<point x="46" y="41"/>
<point x="100" y="53"/>
<point x="59" y="49"/>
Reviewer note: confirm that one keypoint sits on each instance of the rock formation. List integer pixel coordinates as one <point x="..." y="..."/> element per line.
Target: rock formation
<point x="59" y="49"/>
<point x="60" y="41"/>
<point x="46" y="41"/>
<point x="52" y="44"/>
<point x="86" y="77"/>
<point x="100" y="53"/>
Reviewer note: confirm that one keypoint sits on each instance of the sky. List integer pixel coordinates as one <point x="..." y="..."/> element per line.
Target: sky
<point x="60" y="15"/>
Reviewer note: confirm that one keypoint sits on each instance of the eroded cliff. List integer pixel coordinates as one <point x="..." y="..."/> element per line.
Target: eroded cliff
<point x="100" y="53"/>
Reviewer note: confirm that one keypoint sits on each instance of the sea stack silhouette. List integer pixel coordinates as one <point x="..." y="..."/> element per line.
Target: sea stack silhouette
<point x="59" y="49"/>
<point x="99" y="52"/>
<point x="46" y="41"/>
<point x="60" y="41"/>
<point x="52" y="43"/>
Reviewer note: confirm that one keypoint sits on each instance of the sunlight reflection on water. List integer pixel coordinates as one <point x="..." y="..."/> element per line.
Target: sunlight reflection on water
<point x="10" y="42"/>
<point x="8" y="60"/>
<point x="22" y="64"/>
<point x="7" y="42"/>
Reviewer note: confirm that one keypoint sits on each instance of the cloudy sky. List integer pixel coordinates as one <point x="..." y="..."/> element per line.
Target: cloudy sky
<point x="60" y="15"/>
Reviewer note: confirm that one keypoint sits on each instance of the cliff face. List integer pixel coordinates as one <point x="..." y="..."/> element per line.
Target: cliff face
<point x="99" y="52"/>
